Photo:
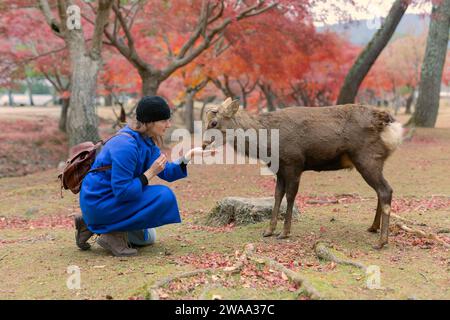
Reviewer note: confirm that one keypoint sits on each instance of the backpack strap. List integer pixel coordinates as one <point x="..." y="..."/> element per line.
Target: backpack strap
<point x="104" y="168"/>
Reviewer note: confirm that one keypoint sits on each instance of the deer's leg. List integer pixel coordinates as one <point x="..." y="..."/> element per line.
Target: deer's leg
<point x="279" y="194"/>
<point x="372" y="172"/>
<point x="377" y="221"/>
<point x="291" y="192"/>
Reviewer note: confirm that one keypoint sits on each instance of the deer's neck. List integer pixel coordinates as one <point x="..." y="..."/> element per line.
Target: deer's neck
<point x="251" y="125"/>
<point x="245" y="121"/>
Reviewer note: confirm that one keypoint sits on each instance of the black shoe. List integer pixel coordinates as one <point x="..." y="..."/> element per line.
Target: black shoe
<point x="82" y="233"/>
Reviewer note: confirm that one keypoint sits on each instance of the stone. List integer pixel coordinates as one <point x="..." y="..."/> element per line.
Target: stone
<point x="242" y="211"/>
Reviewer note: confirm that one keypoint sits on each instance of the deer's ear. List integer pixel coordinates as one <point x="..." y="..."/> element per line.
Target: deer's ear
<point x="231" y="108"/>
<point x="226" y="102"/>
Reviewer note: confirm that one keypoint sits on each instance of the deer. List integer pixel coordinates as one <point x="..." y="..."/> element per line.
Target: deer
<point x="319" y="139"/>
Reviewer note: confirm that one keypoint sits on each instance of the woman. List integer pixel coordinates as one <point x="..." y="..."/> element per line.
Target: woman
<point x="118" y="203"/>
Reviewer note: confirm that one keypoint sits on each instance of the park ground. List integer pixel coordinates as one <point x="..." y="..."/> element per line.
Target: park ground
<point x="37" y="237"/>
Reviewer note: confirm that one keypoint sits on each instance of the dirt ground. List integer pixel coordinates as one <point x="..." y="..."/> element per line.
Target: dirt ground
<point x="37" y="237"/>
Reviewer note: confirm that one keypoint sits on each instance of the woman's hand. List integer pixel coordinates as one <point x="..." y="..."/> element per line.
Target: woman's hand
<point x="156" y="167"/>
<point x="199" y="151"/>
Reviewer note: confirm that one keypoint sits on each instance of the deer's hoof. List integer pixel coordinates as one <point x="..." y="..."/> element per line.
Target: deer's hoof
<point x="282" y="236"/>
<point x="379" y="245"/>
<point x="267" y="233"/>
<point x="373" y="229"/>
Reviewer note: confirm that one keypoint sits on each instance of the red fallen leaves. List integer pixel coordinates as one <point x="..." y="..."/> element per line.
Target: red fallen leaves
<point x="403" y="238"/>
<point x="252" y="274"/>
<point x="207" y="260"/>
<point x="43" y="237"/>
<point x="413" y="204"/>
<point x="44" y="222"/>
<point x="28" y="146"/>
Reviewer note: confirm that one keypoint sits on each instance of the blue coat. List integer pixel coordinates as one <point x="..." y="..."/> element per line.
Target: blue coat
<point x="116" y="200"/>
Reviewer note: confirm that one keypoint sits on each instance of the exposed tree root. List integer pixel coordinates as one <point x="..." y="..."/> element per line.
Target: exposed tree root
<point x="422" y="234"/>
<point x="248" y="254"/>
<point x="306" y="286"/>
<point x="322" y="201"/>
<point x="153" y="291"/>
<point x="323" y="253"/>
<point x="393" y="215"/>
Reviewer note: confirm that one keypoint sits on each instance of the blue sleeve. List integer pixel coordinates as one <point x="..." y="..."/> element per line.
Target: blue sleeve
<point x="173" y="170"/>
<point x="125" y="157"/>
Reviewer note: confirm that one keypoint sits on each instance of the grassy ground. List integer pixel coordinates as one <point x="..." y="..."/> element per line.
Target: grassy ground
<point x="37" y="237"/>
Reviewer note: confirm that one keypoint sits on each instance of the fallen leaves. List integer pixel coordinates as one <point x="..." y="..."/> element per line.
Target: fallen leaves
<point x="44" y="222"/>
<point x="416" y="204"/>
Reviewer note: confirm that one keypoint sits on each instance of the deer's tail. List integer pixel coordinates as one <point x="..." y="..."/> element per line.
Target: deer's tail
<point x="391" y="131"/>
<point x="392" y="135"/>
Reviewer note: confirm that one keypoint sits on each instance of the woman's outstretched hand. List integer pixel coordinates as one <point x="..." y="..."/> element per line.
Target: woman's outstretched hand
<point x="156" y="167"/>
<point x="199" y="152"/>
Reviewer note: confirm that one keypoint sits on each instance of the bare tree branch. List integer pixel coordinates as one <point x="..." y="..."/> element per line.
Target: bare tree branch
<point x="124" y="26"/>
<point x="202" y="21"/>
<point x="167" y="42"/>
<point x="54" y="84"/>
<point x="51" y="21"/>
<point x="101" y="19"/>
<point x="208" y="38"/>
<point x="128" y="51"/>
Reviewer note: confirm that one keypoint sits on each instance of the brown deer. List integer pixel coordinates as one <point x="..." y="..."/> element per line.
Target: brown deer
<point x="320" y="139"/>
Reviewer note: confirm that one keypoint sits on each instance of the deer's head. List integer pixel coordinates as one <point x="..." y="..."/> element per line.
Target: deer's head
<point x="220" y="118"/>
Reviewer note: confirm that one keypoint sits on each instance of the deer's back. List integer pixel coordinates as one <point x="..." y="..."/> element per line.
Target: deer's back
<point x="321" y="136"/>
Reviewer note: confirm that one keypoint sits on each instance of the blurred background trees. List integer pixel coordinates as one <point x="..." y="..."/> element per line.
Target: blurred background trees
<point x="269" y="54"/>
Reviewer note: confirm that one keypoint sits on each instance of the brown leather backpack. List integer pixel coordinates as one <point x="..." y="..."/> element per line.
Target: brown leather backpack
<point x="81" y="158"/>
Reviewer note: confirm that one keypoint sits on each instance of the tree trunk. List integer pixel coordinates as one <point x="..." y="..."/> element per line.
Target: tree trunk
<point x="189" y="111"/>
<point x="30" y="92"/>
<point x="244" y="100"/>
<point x="269" y="97"/>
<point x="63" y="117"/>
<point x="150" y="83"/>
<point x="368" y="57"/>
<point x="108" y="100"/>
<point x="409" y="101"/>
<point x="427" y="105"/>
<point x="243" y="96"/>
<point x="10" y="98"/>
<point x="82" y="120"/>
<point x="82" y="124"/>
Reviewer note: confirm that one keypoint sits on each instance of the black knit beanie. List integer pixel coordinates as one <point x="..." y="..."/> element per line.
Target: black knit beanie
<point x="152" y="108"/>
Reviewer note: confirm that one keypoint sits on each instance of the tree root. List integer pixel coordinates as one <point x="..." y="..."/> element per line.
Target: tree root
<point x="153" y="291"/>
<point x="422" y="234"/>
<point x="322" y="201"/>
<point x="306" y="286"/>
<point x="323" y="253"/>
<point x="248" y="254"/>
<point x="393" y="215"/>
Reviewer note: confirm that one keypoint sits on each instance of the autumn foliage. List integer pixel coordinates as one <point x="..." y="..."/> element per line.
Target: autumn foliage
<point x="275" y="58"/>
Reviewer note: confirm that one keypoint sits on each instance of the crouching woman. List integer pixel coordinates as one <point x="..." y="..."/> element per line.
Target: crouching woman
<point x="119" y="204"/>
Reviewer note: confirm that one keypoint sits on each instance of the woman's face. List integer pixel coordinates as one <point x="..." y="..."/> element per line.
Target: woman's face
<point x="158" y="128"/>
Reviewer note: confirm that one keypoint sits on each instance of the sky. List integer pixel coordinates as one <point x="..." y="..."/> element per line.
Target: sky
<point x="368" y="9"/>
